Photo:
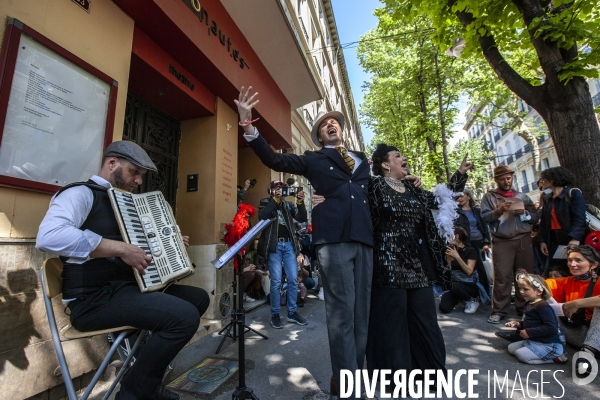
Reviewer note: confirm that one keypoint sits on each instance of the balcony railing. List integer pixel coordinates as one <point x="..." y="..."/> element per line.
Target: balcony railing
<point x="304" y="29"/>
<point x="504" y="131"/>
<point x="518" y="154"/>
<point x="527" y="148"/>
<point x="534" y="186"/>
<point x="525" y="189"/>
<point x="496" y="137"/>
<point x="308" y="118"/>
<point x="509" y="160"/>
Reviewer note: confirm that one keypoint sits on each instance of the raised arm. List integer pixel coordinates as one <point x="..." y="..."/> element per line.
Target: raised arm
<point x="290" y="163"/>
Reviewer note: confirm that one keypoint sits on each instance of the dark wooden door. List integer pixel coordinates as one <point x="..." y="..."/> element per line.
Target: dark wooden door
<point x="159" y="134"/>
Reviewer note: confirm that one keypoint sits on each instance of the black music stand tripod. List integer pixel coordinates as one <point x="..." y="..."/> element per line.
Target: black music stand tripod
<point x="238" y="316"/>
<point x="238" y="311"/>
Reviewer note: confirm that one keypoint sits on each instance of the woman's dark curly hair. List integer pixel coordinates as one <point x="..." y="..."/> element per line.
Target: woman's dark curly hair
<point x="558" y="176"/>
<point x="380" y="155"/>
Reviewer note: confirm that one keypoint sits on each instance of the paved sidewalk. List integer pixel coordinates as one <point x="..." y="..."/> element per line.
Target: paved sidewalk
<point x="293" y="364"/>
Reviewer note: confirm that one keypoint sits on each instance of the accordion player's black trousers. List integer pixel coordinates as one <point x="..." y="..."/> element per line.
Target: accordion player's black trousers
<point x="172" y="316"/>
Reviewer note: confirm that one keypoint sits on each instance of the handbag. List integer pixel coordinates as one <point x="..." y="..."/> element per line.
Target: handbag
<point x="578" y="318"/>
<point x="488" y="265"/>
<point x="462" y="277"/>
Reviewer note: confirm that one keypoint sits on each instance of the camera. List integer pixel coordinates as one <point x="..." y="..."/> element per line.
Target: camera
<point x="286" y="190"/>
<point x="252" y="183"/>
<point x="290" y="190"/>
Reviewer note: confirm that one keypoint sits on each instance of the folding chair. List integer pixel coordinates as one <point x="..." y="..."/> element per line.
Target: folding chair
<point x="52" y="287"/>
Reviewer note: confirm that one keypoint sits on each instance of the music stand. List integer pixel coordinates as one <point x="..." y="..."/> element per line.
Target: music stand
<point x="238" y="316"/>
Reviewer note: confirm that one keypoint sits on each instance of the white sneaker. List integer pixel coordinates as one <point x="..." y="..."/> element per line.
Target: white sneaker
<point x="321" y="296"/>
<point x="248" y="298"/>
<point x="471" y="306"/>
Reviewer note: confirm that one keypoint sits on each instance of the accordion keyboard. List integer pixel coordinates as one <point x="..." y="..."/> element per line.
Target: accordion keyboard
<point x="146" y="220"/>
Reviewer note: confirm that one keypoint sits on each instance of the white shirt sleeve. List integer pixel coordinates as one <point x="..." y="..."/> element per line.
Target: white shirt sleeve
<point x="60" y="231"/>
<point x="250" y="138"/>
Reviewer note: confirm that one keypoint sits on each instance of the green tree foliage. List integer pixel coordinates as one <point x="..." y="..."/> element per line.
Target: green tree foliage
<point x="542" y="51"/>
<point x="482" y="159"/>
<point x="408" y="101"/>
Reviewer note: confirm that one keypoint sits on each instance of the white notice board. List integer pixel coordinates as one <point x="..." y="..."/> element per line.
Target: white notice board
<point x="56" y="118"/>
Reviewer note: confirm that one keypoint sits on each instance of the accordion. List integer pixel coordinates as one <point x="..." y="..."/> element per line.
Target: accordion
<point x="146" y="220"/>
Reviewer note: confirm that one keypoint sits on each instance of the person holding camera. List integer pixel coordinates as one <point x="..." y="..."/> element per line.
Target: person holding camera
<point x="278" y="244"/>
<point x="241" y="191"/>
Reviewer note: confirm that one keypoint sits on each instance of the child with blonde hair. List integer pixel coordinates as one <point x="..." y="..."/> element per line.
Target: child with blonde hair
<point x="539" y="327"/>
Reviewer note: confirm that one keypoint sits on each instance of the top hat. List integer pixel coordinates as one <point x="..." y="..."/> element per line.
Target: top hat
<point x="131" y="152"/>
<point x="502" y="170"/>
<point x="317" y="122"/>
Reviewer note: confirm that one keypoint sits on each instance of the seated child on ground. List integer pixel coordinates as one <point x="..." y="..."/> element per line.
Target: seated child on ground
<point x="539" y="327"/>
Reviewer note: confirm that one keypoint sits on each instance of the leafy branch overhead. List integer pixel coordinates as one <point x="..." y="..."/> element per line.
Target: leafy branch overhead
<point x="542" y="51"/>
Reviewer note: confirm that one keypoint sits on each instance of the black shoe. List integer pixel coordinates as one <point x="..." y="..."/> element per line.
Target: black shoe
<point x="511" y="336"/>
<point x="296" y="318"/>
<point x="163" y="394"/>
<point x="276" y="321"/>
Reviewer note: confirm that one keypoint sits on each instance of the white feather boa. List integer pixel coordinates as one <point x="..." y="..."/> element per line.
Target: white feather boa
<point x="444" y="218"/>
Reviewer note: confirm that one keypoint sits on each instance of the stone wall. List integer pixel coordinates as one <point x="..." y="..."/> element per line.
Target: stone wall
<point x="28" y="363"/>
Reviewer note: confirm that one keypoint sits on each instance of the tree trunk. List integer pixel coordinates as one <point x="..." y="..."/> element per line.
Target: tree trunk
<point x="576" y="135"/>
<point x="441" y="117"/>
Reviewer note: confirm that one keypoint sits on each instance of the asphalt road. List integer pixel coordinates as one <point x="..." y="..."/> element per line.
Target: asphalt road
<point x="294" y="364"/>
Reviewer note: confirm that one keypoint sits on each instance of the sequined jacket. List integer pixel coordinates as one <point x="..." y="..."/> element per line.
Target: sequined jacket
<point x="408" y="251"/>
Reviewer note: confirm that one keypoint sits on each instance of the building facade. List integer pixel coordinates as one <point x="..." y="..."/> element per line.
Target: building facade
<point x="77" y="75"/>
<point x="510" y="149"/>
<point x="314" y="21"/>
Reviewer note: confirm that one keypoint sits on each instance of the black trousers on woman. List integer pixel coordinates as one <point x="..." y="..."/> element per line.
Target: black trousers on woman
<point x="403" y="331"/>
<point x="557" y="238"/>
<point x="172" y="316"/>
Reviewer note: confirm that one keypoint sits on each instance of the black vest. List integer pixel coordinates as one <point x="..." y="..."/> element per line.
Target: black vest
<point x="80" y="280"/>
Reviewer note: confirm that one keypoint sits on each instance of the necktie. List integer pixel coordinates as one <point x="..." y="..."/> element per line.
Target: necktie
<point x="349" y="160"/>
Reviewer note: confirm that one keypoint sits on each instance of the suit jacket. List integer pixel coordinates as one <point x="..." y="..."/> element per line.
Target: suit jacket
<point x="344" y="216"/>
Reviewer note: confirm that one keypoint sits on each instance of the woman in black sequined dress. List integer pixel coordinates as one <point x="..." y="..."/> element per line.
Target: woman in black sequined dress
<point x="407" y="257"/>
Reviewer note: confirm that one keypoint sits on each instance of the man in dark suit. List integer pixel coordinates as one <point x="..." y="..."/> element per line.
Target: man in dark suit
<point x="342" y="230"/>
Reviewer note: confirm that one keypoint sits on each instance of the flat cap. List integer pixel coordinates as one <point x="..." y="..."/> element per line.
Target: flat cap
<point x="131" y="152"/>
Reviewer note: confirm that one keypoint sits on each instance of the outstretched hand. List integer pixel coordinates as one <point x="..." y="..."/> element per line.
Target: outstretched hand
<point x="465" y="166"/>
<point x="245" y="103"/>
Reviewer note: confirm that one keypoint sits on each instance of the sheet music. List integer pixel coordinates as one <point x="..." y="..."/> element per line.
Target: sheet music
<point x="561" y="253"/>
<point x="244" y="240"/>
<point x="557" y="308"/>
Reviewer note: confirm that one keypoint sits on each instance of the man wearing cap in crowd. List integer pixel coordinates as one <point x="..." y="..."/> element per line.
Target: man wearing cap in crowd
<point x="99" y="286"/>
<point x="278" y="244"/>
<point x="511" y="216"/>
<point x="342" y="230"/>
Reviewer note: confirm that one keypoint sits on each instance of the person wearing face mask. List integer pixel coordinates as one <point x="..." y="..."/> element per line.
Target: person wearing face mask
<point x="562" y="217"/>
<point x="510" y="215"/>
<point x="580" y="305"/>
<point x="539" y="259"/>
